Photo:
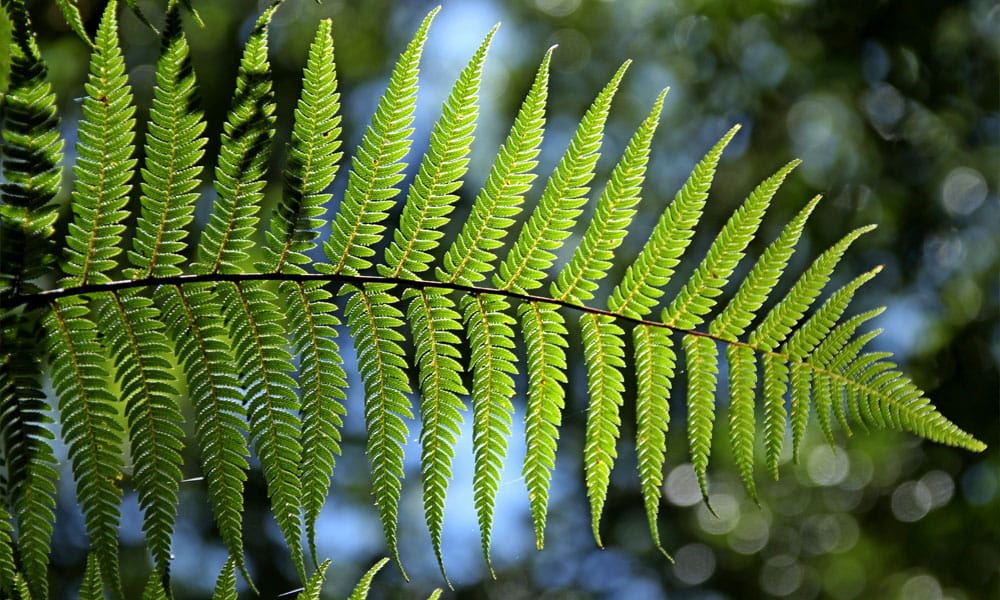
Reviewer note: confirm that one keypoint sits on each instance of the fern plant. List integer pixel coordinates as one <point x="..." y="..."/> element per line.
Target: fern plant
<point x="243" y="324"/>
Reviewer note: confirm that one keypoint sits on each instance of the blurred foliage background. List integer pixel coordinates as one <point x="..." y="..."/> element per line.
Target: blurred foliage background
<point x="894" y="108"/>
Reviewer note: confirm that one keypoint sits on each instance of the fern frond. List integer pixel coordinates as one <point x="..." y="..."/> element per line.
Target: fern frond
<point x="742" y="392"/>
<point x="491" y="340"/>
<point x="89" y="416"/>
<point x="375" y="321"/>
<point x="775" y="372"/>
<point x="889" y="399"/>
<point x="655" y="363"/>
<point x="604" y="354"/>
<point x="471" y="255"/>
<point x="545" y="341"/>
<point x="434" y="322"/>
<point x="243" y="155"/>
<point x="225" y="583"/>
<point x="431" y="198"/>
<point x="31" y="147"/>
<point x="702" y="375"/>
<point x="378" y="166"/>
<point x="72" y="15"/>
<point x="173" y="149"/>
<point x="138" y="346"/>
<point x="213" y="384"/>
<point x="272" y="402"/>
<point x="592" y="259"/>
<point x="697" y="298"/>
<point x="561" y="202"/>
<point x="30" y="464"/>
<point x="314" y="585"/>
<point x="311" y="323"/>
<point x="313" y="161"/>
<point x="360" y="591"/>
<point x="762" y="279"/>
<point x="104" y="164"/>
<point x="642" y="286"/>
<point x="7" y="566"/>
<point x="90" y="588"/>
<point x="312" y="165"/>
<point x="154" y="589"/>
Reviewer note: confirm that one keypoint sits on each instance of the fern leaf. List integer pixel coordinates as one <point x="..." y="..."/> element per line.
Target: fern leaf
<point x="72" y="15"/>
<point x="90" y="589"/>
<point x="312" y="165"/>
<point x="272" y="403"/>
<point x="104" y="164"/>
<point x="784" y="316"/>
<point x="593" y="257"/>
<point x="314" y="585"/>
<point x="471" y="255"/>
<point x="561" y="202"/>
<point x="154" y="589"/>
<point x="173" y="149"/>
<point x="434" y="322"/>
<point x="364" y="584"/>
<point x="7" y="566"/>
<point x="31" y="148"/>
<point x="655" y="363"/>
<point x="313" y="161"/>
<point x="243" y="155"/>
<point x="139" y="348"/>
<point x="431" y="198"/>
<point x="30" y="464"/>
<point x="775" y="384"/>
<point x="801" y="391"/>
<point x="89" y="415"/>
<point x="545" y="340"/>
<point x="894" y="401"/>
<point x="641" y="287"/>
<point x="375" y="322"/>
<point x="762" y="279"/>
<point x="702" y="371"/>
<point x="311" y="324"/>
<point x="697" y="297"/>
<point x="604" y="355"/>
<point x="491" y="340"/>
<point x="225" y="584"/>
<point x="213" y="386"/>
<point x="742" y="387"/>
<point x="378" y="166"/>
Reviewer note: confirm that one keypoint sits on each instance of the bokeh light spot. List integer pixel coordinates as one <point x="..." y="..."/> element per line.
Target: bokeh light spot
<point x="682" y="486"/>
<point x="752" y="533"/>
<point x="963" y="191"/>
<point x="781" y="575"/>
<point x="728" y="511"/>
<point x="694" y="563"/>
<point x="940" y="485"/>
<point x="921" y="587"/>
<point x="558" y="8"/>
<point x="827" y="466"/>
<point x="911" y="500"/>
